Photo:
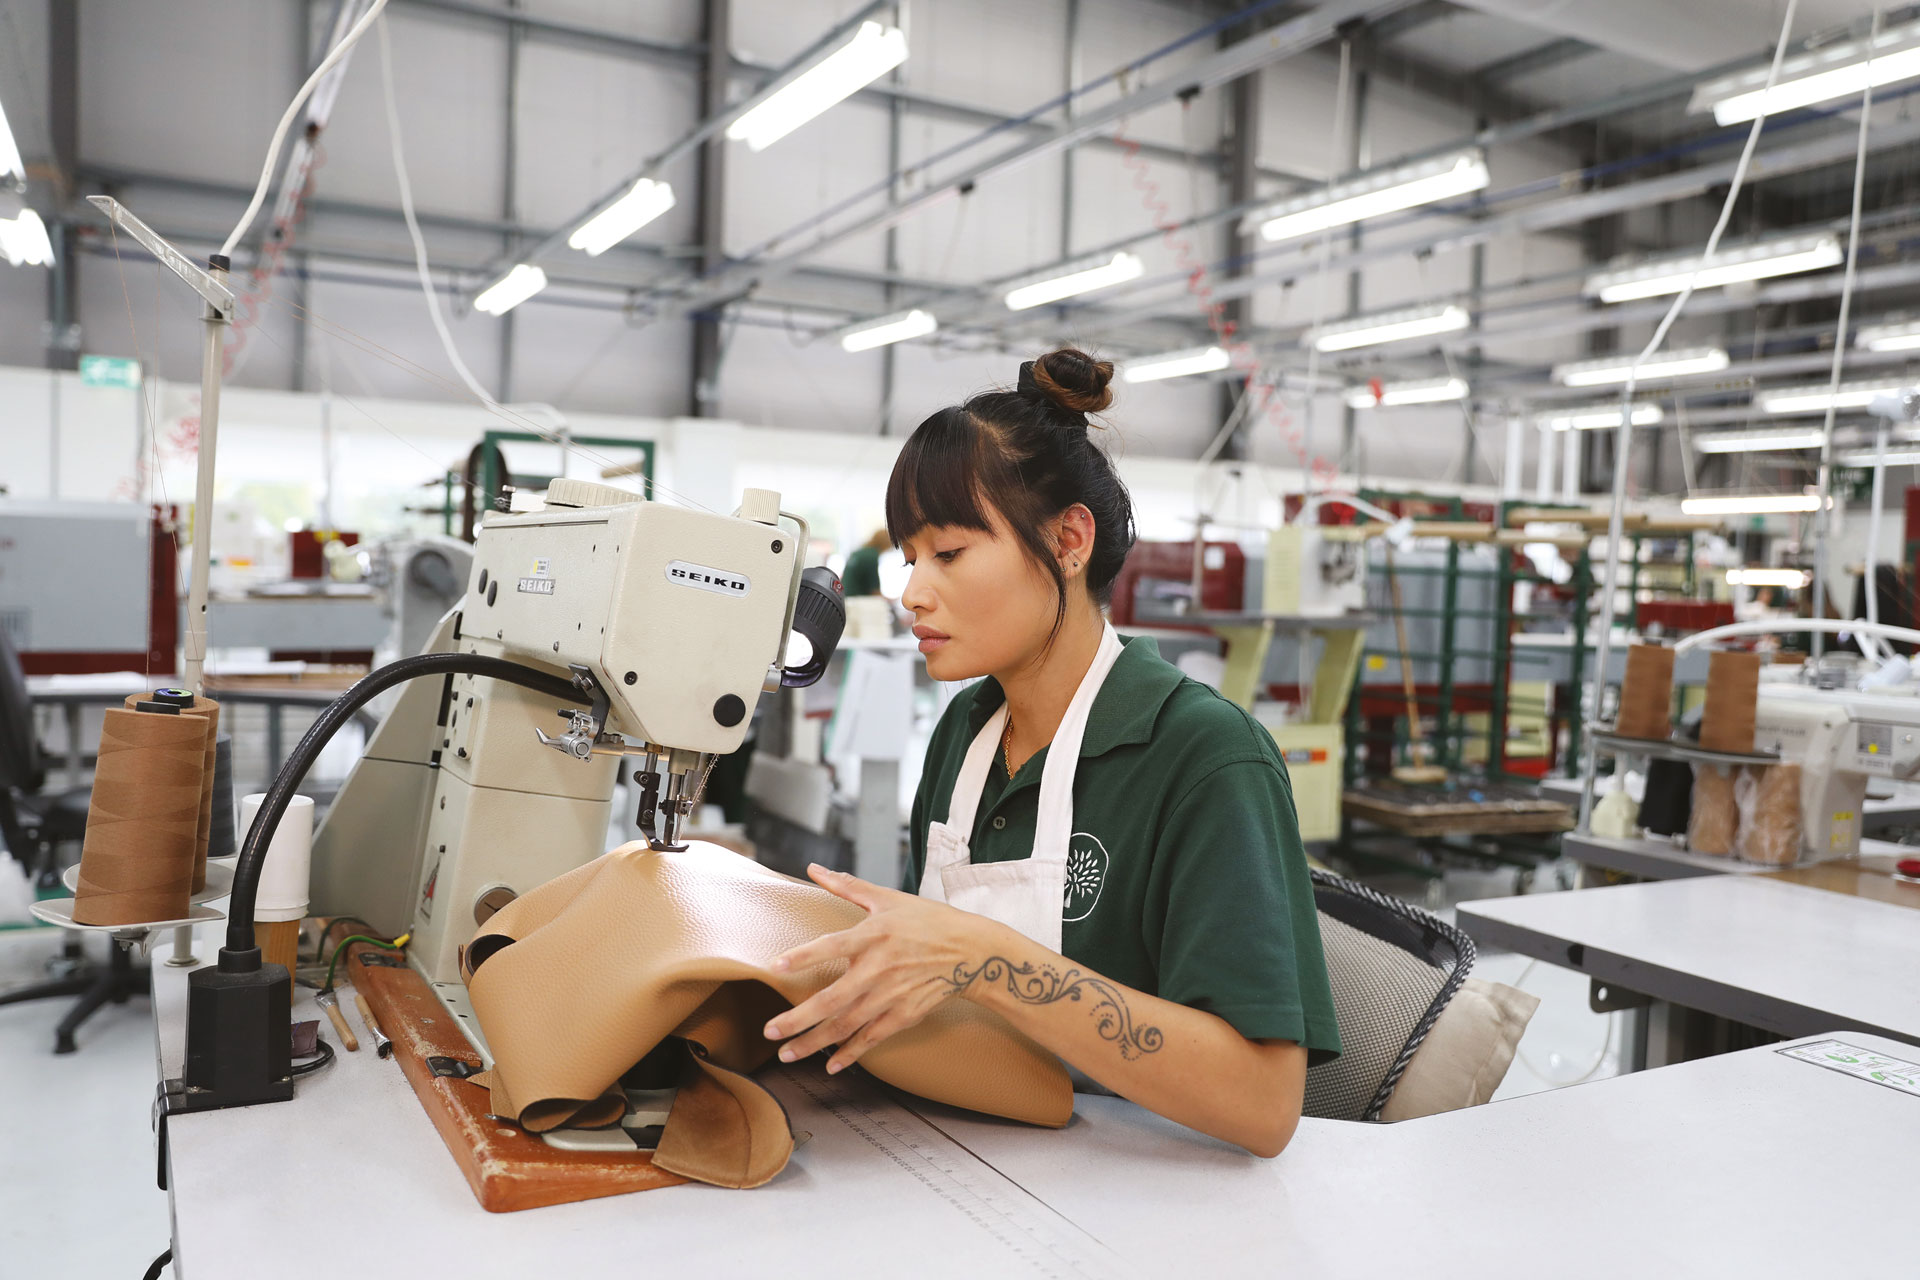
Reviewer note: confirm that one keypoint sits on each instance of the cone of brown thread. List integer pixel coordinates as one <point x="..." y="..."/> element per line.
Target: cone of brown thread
<point x="1646" y="693"/>
<point x="207" y="711"/>
<point x="137" y="863"/>
<point x="1733" y="688"/>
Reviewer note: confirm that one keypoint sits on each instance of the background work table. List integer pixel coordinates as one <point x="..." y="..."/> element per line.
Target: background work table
<point x="1542" y="1183"/>
<point x="1787" y="958"/>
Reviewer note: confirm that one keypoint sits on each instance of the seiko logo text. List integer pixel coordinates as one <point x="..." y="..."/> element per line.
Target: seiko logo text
<point x="707" y="579"/>
<point x="537" y="586"/>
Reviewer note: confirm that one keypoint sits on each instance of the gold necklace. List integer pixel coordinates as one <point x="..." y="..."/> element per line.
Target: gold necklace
<point x="1006" y="745"/>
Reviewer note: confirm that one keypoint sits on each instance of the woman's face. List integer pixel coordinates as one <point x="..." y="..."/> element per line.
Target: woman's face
<point x="981" y="606"/>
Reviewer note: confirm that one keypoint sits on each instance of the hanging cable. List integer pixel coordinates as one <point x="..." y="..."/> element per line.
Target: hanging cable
<point x="286" y="121"/>
<point x="1623" y="434"/>
<point x="1823" y="515"/>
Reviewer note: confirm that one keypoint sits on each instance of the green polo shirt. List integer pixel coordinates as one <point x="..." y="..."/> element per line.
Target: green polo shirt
<point x="1185" y="876"/>
<point x="862" y="574"/>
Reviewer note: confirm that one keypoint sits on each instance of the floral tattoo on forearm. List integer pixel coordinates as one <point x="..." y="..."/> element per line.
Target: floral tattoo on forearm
<point x="1043" y="984"/>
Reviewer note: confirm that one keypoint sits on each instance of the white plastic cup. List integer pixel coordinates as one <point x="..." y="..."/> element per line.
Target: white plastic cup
<point x="283" y="879"/>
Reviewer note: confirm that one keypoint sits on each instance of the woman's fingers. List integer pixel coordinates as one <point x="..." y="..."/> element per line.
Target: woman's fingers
<point x="833" y="946"/>
<point x="860" y="892"/>
<point x="836" y="1028"/>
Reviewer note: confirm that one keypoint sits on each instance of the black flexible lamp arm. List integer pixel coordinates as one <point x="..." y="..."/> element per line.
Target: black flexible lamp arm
<point x="241" y="955"/>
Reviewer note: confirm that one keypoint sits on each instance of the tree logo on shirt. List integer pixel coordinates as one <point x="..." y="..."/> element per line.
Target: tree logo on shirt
<point x="1086" y="873"/>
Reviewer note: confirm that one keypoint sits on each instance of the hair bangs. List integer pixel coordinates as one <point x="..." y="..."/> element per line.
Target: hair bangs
<point x="936" y="481"/>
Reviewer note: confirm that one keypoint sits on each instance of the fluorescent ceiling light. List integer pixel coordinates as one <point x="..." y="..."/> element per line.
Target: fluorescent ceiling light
<point x="888" y="329"/>
<point x="1757" y="441"/>
<point x="1793" y="578"/>
<point x="1668" y="364"/>
<point x="644" y="201"/>
<point x="510" y="290"/>
<point x="1890" y="337"/>
<point x="1371" y="195"/>
<point x="1425" y="391"/>
<point x="870" y="53"/>
<point x="1840" y="70"/>
<point x="1388" y="326"/>
<point x="23" y="240"/>
<point x="1175" y="364"/>
<point x="11" y="166"/>
<point x="1756" y="261"/>
<point x="1867" y="458"/>
<point x="1119" y="269"/>
<point x="1815" y="399"/>
<point x="1759" y="504"/>
<point x="1599" y="417"/>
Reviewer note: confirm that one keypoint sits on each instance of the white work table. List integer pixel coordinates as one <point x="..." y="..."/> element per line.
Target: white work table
<point x="1783" y="957"/>
<point x="1752" y="1164"/>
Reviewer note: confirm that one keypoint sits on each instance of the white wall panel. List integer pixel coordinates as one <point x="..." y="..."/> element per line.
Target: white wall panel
<point x="1003" y="55"/>
<point x="811" y="169"/>
<point x="377" y="342"/>
<point x="27" y="460"/>
<point x="229" y="70"/>
<point x="767" y="380"/>
<point x="1115" y="33"/>
<point x="588" y="358"/>
<point x="588" y="122"/>
<point x="450" y="87"/>
<point x="1010" y="222"/>
<point x="672" y="21"/>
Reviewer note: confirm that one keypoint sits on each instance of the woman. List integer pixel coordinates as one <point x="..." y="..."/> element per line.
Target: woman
<point x="1103" y="851"/>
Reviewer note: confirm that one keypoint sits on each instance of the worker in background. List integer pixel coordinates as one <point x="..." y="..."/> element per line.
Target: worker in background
<point x="1103" y="851"/>
<point x="862" y="574"/>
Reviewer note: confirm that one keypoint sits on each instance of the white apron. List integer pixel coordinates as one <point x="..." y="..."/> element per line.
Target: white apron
<point x="1029" y="894"/>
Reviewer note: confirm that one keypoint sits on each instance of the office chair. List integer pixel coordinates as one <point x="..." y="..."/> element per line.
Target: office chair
<point x="1393" y="968"/>
<point x="35" y="823"/>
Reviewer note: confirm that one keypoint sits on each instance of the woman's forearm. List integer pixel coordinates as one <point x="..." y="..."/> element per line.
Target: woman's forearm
<point x="1182" y="1063"/>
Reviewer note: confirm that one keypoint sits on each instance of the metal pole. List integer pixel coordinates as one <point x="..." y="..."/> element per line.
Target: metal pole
<point x="211" y="355"/>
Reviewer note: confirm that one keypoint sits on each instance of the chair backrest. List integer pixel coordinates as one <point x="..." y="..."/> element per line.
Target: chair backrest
<point x="19" y="754"/>
<point x="1393" y="968"/>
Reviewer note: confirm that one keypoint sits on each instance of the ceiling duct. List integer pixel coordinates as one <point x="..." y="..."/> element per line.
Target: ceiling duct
<point x="1679" y="37"/>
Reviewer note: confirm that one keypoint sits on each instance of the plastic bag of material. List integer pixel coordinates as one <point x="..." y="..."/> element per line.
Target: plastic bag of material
<point x="1769" y="802"/>
<point x="1715" y="818"/>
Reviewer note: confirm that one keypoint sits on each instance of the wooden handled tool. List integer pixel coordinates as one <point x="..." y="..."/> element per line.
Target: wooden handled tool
<point x="381" y="1045"/>
<point x="331" y="1003"/>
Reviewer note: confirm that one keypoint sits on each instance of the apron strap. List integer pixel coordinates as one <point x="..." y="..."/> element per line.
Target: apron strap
<point x="1053" y="827"/>
<point x="964" y="803"/>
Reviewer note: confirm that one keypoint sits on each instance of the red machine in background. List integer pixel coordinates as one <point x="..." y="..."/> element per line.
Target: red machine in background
<point x="1155" y="586"/>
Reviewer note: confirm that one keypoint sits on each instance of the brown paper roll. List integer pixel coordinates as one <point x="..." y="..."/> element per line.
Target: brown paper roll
<point x="207" y="711"/>
<point x="1715" y="817"/>
<point x="137" y="862"/>
<point x="1733" y="687"/>
<point x="1646" y="693"/>
<point x="1771" y="832"/>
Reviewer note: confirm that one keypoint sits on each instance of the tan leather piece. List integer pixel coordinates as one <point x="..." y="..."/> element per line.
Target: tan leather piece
<point x="638" y="945"/>
<point x="724" y="1128"/>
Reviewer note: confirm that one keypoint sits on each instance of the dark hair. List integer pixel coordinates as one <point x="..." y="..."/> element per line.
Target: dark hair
<point x="1027" y="454"/>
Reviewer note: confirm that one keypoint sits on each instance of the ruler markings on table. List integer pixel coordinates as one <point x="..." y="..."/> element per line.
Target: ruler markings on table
<point x="960" y="1182"/>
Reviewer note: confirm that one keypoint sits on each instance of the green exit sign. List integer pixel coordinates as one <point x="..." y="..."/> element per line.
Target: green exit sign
<point x="109" y="371"/>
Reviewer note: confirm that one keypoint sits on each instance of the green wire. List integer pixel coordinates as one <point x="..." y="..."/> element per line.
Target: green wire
<point x="342" y="950"/>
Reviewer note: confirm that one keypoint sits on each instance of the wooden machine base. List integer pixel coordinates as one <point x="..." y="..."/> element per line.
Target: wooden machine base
<point x="507" y="1167"/>
<point x="1435" y="811"/>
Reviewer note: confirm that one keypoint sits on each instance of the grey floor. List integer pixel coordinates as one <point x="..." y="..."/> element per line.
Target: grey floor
<point x="77" y="1163"/>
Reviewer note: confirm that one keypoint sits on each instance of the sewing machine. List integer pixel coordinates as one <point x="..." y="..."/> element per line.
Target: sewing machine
<point x="1840" y="738"/>
<point x="671" y="621"/>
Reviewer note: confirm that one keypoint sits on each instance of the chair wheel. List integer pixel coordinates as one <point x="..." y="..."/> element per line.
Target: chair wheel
<point x="64" y="1044"/>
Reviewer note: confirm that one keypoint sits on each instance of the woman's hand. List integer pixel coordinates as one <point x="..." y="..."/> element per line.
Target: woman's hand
<point x="900" y="962"/>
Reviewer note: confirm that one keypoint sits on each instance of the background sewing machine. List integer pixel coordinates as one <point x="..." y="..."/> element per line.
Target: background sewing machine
<point x="672" y="621"/>
<point x="1840" y="738"/>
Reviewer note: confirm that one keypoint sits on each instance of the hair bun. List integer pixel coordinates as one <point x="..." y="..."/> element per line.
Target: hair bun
<point x="1074" y="380"/>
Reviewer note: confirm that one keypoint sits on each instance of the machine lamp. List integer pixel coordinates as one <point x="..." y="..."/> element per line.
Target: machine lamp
<point x="1616" y="369"/>
<point x="1372" y="194"/>
<point x="868" y="54"/>
<point x="898" y="327"/>
<point x="1388" y="326"/>
<point x="643" y="202"/>
<point x="1175" y="364"/>
<point x="1387" y="395"/>
<point x="1839" y="70"/>
<point x="510" y="290"/>
<point x="1118" y="269"/>
<point x="1757" y="260"/>
<point x="1599" y="417"/>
